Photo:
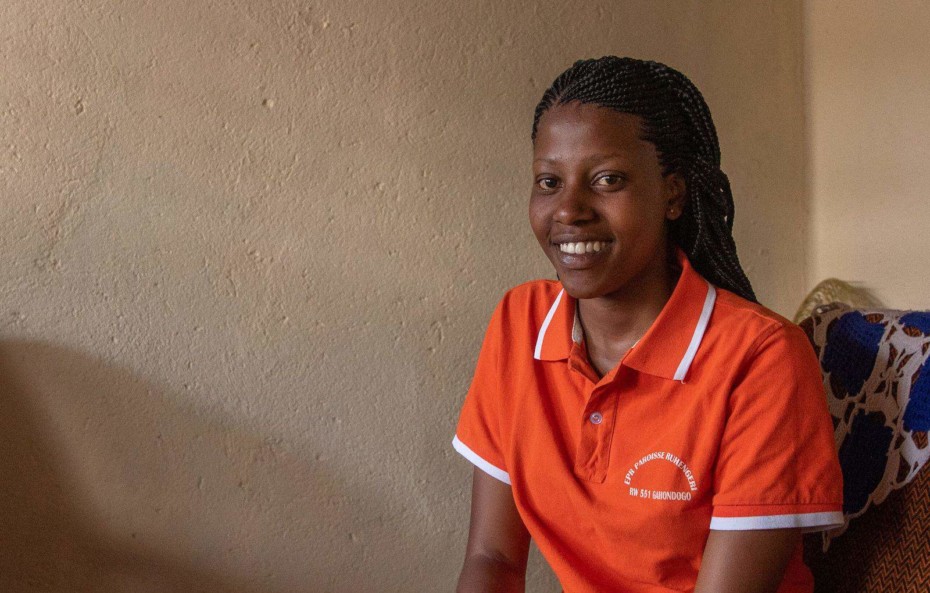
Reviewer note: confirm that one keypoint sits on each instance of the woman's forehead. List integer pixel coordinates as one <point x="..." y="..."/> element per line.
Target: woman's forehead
<point x="585" y="129"/>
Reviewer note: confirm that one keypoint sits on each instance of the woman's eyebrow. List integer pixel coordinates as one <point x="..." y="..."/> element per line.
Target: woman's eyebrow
<point x="592" y="158"/>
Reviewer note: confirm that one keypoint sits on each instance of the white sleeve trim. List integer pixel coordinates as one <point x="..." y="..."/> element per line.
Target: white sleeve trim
<point x="806" y="521"/>
<point x="491" y="470"/>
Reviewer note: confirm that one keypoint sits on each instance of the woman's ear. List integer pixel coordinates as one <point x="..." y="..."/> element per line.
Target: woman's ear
<point x="676" y="194"/>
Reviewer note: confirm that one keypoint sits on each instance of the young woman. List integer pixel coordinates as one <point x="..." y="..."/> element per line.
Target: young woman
<point x="643" y="419"/>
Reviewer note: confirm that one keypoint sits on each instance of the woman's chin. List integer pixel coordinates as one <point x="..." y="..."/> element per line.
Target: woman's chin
<point x="579" y="288"/>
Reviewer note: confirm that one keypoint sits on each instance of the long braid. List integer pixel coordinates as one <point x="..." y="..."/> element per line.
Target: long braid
<point x="677" y="120"/>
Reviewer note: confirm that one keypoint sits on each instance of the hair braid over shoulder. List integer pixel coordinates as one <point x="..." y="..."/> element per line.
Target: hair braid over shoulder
<point x="677" y="121"/>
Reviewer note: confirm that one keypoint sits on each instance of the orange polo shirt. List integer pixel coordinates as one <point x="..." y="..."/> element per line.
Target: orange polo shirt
<point x="716" y="419"/>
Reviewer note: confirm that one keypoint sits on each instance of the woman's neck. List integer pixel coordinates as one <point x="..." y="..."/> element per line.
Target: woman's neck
<point x="612" y="324"/>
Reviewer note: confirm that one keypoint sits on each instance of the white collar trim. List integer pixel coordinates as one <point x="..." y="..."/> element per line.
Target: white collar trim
<point x="698" y="335"/>
<point x="545" y="326"/>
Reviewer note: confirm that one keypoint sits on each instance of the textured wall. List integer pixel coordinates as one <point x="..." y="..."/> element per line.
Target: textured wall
<point x="868" y="73"/>
<point x="250" y="249"/>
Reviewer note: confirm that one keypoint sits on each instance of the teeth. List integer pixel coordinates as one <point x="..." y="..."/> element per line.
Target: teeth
<point x="577" y="248"/>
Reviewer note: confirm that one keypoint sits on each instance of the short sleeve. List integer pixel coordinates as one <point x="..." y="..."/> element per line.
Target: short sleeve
<point x="477" y="436"/>
<point x="777" y="466"/>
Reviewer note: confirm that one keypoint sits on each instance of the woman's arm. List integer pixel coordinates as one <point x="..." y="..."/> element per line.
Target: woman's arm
<point x="746" y="561"/>
<point x="498" y="543"/>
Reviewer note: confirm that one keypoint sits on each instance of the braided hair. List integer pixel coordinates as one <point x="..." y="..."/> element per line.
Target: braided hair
<point x="676" y="120"/>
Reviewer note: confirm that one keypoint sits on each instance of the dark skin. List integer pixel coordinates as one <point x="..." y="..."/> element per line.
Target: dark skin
<point x="498" y="543"/>
<point x="597" y="183"/>
<point x="596" y="180"/>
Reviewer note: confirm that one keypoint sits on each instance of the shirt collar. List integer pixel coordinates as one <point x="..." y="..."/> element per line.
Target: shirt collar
<point x="669" y="346"/>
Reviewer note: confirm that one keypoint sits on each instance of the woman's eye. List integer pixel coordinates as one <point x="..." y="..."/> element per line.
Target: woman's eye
<point x="547" y="183"/>
<point x="607" y="180"/>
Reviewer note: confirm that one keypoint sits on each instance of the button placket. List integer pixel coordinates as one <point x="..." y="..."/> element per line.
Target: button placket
<point x="593" y="453"/>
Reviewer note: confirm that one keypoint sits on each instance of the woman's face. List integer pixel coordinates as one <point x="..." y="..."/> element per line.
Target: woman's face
<point x="599" y="203"/>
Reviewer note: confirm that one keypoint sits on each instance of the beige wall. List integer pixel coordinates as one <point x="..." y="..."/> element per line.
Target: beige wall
<point x="250" y="249"/>
<point x="868" y="84"/>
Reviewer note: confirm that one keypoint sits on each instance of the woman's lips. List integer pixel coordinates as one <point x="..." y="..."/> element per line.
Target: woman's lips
<point x="578" y="255"/>
<point x="579" y="247"/>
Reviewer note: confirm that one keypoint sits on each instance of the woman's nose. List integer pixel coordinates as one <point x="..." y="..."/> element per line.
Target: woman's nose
<point x="574" y="206"/>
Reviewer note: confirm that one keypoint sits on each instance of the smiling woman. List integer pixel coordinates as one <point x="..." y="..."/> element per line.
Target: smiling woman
<point x="599" y="184"/>
<point x="643" y="419"/>
<point x="598" y="209"/>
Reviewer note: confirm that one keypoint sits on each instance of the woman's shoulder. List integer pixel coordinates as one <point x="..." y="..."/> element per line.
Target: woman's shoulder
<point x="753" y="322"/>
<point x="738" y="310"/>
<point x="534" y="290"/>
<point x="519" y="316"/>
<point x="527" y="304"/>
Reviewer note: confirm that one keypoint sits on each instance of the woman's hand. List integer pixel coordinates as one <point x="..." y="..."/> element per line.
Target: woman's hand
<point x="498" y="543"/>
<point x="746" y="561"/>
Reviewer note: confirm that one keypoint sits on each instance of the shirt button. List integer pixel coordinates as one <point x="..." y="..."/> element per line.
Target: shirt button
<point x="596" y="418"/>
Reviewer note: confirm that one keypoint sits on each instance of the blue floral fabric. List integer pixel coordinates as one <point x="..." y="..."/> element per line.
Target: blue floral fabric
<point x="876" y="368"/>
<point x="851" y="348"/>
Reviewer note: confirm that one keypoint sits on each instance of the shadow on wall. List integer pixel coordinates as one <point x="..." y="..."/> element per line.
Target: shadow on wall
<point x="109" y="485"/>
<point x="49" y="541"/>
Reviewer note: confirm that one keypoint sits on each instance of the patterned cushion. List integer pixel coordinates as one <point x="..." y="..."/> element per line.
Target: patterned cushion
<point x="886" y="550"/>
<point x="876" y="366"/>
